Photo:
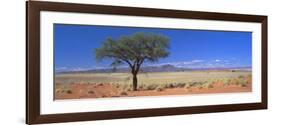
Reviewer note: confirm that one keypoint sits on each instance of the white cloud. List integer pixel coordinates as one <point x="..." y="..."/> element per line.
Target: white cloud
<point x="197" y="61"/>
<point x="199" y="64"/>
<point x="61" y="68"/>
<point x="180" y="64"/>
<point x="80" y="69"/>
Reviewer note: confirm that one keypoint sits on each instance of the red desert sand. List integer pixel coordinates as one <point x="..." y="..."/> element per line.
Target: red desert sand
<point x="106" y="90"/>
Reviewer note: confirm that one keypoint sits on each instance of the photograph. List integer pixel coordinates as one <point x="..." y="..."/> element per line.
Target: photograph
<point x="89" y="62"/>
<point x="96" y="61"/>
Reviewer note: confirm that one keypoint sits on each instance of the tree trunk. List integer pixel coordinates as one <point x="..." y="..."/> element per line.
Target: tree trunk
<point x="135" y="82"/>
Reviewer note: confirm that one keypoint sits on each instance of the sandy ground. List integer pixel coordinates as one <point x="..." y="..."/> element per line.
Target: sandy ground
<point x="79" y="91"/>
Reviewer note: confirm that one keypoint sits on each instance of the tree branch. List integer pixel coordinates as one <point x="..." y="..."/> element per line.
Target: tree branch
<point x="139" y="65"/>
<point x="127" y="61"/>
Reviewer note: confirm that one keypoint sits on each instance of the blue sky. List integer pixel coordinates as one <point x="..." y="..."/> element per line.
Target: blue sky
<point x="74" y="45"/>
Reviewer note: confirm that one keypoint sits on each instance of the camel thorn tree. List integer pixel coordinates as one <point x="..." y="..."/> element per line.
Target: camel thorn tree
<point x="134" y="50"/>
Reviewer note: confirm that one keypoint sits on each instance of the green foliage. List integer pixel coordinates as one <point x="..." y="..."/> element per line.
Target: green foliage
<point x="135" y="48"/>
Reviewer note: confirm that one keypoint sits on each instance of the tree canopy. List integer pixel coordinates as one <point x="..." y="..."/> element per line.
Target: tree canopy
<point x="134" y="50"/>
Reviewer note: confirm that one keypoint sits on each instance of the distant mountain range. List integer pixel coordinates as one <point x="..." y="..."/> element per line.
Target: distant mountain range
<point x="162" y="68"/>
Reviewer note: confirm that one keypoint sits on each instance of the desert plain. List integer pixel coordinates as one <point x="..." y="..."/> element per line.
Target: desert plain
<point x="109" y="85"/>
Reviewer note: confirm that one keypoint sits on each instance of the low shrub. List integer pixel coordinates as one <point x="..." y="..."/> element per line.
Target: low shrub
<point x="200" y="87"/>
<point x="129" y="89"/>
<point x="170" y="85"/>
<point x="241" y="77"/>
<point x="57" y="90"/>
<point x="117" y="85"/>
<point x="197" y="84"/>
<point x="187" y="86"/>
<point x="180" y="85"/>
<point x="242" y="81"/>
<point x="151" y="87"/>
<point x="91" y="92"/>
<point x="243" y="85"/>
<point x="69" y="91"/>
<point x="124" y="86"/>
<point x="123" y="93"/>
<point x="227" y="82"/>
<point x="210" y="86"/>
<point x="141" y="87"/>
<point x="159" y="89"/>
<point x="235" y="81"/>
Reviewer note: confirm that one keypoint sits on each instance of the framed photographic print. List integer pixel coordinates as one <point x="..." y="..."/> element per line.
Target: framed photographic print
<point x="93" y="62"/>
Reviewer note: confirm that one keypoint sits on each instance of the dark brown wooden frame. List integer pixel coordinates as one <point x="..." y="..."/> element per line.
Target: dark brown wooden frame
<point x="33" y="9"/>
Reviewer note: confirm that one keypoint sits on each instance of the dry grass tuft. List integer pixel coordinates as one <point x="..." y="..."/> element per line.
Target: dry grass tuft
<point x="123" y="93"/>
